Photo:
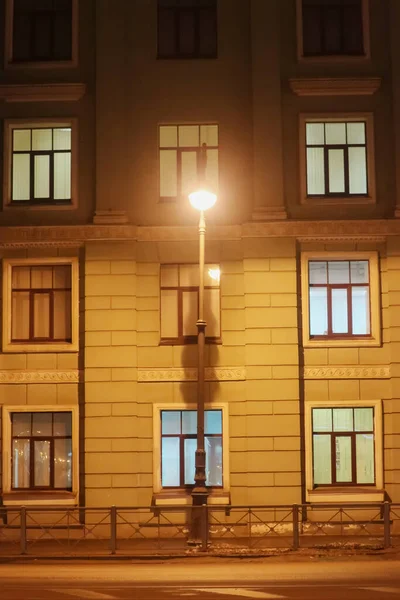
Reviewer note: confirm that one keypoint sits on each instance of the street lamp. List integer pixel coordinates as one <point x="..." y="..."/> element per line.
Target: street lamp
<point x="202" y="200"/>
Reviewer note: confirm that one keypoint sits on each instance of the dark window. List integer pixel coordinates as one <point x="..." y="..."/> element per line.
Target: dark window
<point x="42" y="30"/>
<point x="41" y="450"/>
<point x="178" y="446"/>
<point x="41" y="304"/>
<point x="187" y="28"/>
<point x="332" y="27"/>
<point x="339" y="298"/>
<point x="343" y="446"/>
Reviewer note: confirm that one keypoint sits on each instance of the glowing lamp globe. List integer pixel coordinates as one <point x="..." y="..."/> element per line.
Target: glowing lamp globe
<point x="202" y="199"/>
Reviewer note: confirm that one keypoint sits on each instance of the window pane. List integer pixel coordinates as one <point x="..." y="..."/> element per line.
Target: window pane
<point x="343" y="419"/>
<point x="359" y="271"/>
<point x="189" y="421"/>
<point x="311" y="30"/>
<point x="340" y="322"/>
<point x="338" y="271"/>
<point x="187" y="32"/>
<point x="62" y="424"/>
<point x="332" y="30"/>
<point x="207" y="32"/>
<point x="166" y="33"/>
<point x="170" y="421"/>
<point x="21" y="424"/>
<point x="315" y="134"/>
<point x="343" y="459"/>
<point x="62" y="138"/>
<point x="212" y="169"/>
<point x="360" y="311"/>
<point x="169" y="275"/>
<point x="42" y="463"/>
<point x="322" y="453"/>
<point x="189" y="179"/>
<point x="21" y="177"/>
<point x="356" y="133"/>
<point x="189" y="136"/>
<point x="336" y="171"/>
<point x="209" y="135"/>
<point x="21" y="278"/>
<point x="20" y="316"/>
<point x="41" y="316"/>
<point x="168" y="173"/>
<point x="213" y="421"/>
<point x="42" y="277"/>
<point x="63" y="464"/>
<point x="21" y="140"/>
<point x="315" y="171"/>
<point x="317" y="272"/>
<point x="42" y="424"/>
<point x="189" y="275"/>
<point x="62" y="276"/>
<point x="42" y="176"/>
<point x="190" y="454"/>
<point x="358" y="171"/>
<point x="189" y="313"/>
<point x="168" y="136"/>
<point x="169" y="313"/>
<point x="365" y="458"/>
<point x="62" y="315"/>
<point x="363" y="419"/>
<point x="318" y="311"/>
<point x="42" y="139"/>
<point x="62" y="36"/>
<point x="62" y="176"/>
<point x="20" y="464"/>
<point x="212" y="312"/>
<point x="322" y="419"/>
<point x="170" y="462"/>
<point x="213" y="446"/>
<point x="42" y="37"/>
<point x="335" y="133"/>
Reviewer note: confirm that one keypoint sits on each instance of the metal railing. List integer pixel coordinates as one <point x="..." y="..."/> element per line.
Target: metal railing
<point x="86" y="531"/>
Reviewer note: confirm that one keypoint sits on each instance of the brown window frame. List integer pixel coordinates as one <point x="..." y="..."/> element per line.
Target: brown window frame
<point x="345" y="147"/>
<point x="322" y="12"/>
<point x="188" y="436"/>
<point x="32" y="440"/>
<point x="177" y="9"/>
<point x="32" y="292"/>
<point x="347" y="286"/>
<point x="352" y="435"/>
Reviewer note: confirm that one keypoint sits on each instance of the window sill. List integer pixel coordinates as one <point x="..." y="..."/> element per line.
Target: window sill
<point x="190" y="342"/>
<point x="42" y="348"/>
<point x="19" y="207"/>
<point x="43" y="64"/>
<point x="184" y="498"/>
<point x="356" y="342"/>
<point x="42" y="498"/>
<point x="343" y="495"/>
<point x="337" y="200"/>
<point x="334" y="58"/>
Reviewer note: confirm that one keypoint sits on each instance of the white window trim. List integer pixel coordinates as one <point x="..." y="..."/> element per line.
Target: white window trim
<point x="375" y="301"/>
<point x="182" y="496"/>
<point x="366" y="118"/>
<point x="54" y="64"/>
<point x="8" y="346"/>
<point x="372" y="493"/>
<point x="9" y="126"/>
<point x="340" y="58"/>
<point x="64" y="498"/>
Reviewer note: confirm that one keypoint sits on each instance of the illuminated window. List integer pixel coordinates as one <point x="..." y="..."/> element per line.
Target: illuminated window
<point x="187" y="28"/>
<point x="179" y="303"/>
<point x="340" y="299"/>
<point x="182" y="149"/>
<point x="178" y="446"/>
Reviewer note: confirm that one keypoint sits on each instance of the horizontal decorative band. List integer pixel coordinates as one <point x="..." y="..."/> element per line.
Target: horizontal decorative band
<point x="190" y="374"/>
<point x="335" y="86"/>
<point x="39" y="376"/>
<point x="42" y="92"/>
<point x="347" y="372"/>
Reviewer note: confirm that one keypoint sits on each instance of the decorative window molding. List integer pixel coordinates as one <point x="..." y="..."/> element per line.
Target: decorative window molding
<point x="335" y="86"/>
<point x="28" y="299"/>
<point x="52" y="58"/>
<point x="42" y="92"/>
<point x="370" y="302"/>
<point x="346" y="492"/>
<point x="347" y="372"/>
<point x="345" y="54"/>
<point x="45" y="176"/>
<point x="337" y="159"/>
<point x="24" y="496"/>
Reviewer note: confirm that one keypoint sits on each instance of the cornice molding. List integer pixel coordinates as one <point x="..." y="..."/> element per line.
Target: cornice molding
<point x="39" y="376"/>
<point x="335" y="86"/>
<point x="42" y="92"/>
<point x="347" y="372"/>
<point x="190" y="374"/>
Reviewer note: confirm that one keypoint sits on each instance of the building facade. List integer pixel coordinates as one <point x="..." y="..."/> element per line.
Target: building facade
<point x="107" y="110"/>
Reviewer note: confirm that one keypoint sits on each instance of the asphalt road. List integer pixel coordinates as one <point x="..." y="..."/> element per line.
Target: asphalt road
<point x="348" y="580"/>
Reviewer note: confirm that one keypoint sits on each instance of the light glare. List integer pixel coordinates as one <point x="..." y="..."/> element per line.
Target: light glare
<point x="202" y="199"/>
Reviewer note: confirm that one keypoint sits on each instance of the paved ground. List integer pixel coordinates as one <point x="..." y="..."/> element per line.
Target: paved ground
<point x="203" y="580"/>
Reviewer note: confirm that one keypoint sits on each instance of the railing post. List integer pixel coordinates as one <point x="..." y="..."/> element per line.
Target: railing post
<point x="23" y="529"/>
<point x="386" y="525"/>
<point x="204" y="533"/>
<point x="113" y="524"/>
<point x="296" y="527"/>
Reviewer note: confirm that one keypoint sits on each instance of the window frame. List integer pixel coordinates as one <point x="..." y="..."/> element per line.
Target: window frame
<point x="38" y="496"/>
<point x="8" y="344"/>
<point x="334" y="58"/>
<point x="176" y="10"/>
<point x="9" y="126"/>
<point x="344" y="492"/>
<point x="157" y="458"/>
<point x="9" y="63"/>
<point x="374" y="338"/>
<point x="338" y="198"/>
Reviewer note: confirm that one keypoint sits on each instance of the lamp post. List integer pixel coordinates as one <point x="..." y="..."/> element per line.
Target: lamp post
<point x="202" y="200"/>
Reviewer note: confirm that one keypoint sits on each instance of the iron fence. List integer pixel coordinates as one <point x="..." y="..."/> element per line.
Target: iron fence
<point x="87" y="531"/>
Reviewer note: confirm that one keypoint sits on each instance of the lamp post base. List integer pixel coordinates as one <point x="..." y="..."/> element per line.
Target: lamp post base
<point x="199" y="518"/>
